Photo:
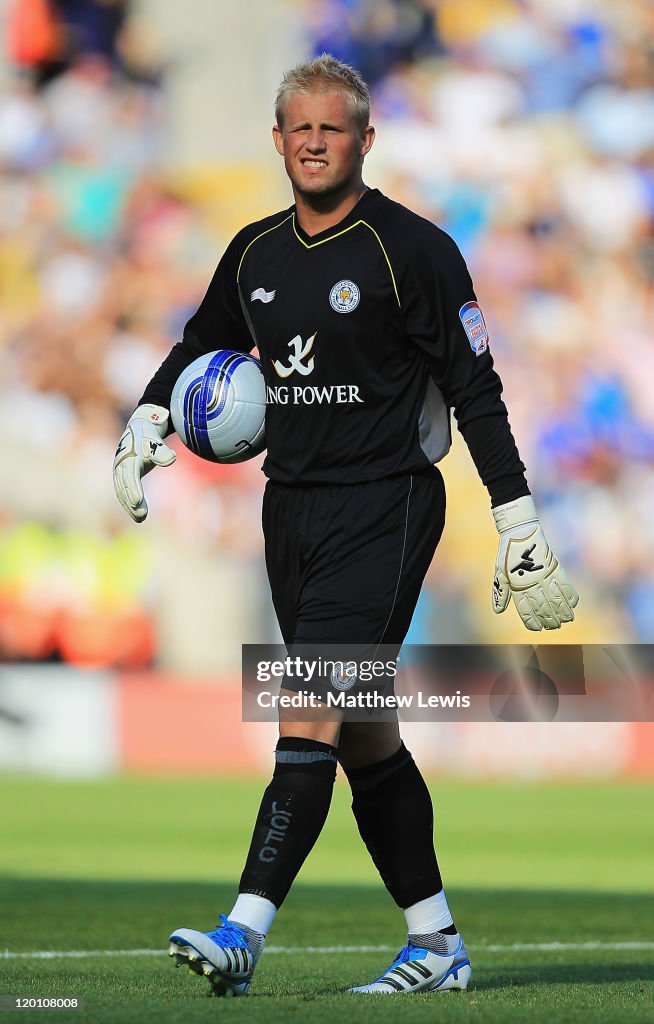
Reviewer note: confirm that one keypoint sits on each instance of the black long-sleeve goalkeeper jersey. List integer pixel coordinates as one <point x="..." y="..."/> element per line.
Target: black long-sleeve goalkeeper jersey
<point x="368" y="333"/>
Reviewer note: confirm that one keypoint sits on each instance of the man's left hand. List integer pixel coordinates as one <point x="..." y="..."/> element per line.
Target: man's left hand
<point x="528" y="571"/>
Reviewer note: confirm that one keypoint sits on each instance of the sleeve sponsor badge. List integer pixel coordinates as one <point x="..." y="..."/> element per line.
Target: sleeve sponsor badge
<point x="474" y="325"/>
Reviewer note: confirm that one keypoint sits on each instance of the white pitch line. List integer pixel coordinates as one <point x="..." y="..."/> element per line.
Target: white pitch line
<point x="516" y="947"/>
<point x="549" y="947"/>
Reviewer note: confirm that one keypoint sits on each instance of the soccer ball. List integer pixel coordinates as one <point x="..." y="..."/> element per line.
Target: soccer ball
<point x="218" y="406"/>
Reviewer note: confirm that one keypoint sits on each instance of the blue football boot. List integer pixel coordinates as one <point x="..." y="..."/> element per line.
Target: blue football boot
<point x="226" y="956"/>
<point x="422" y="970"/>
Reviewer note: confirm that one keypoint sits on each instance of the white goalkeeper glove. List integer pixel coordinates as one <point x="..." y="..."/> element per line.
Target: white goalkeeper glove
<point x="528" y="571"/>
<point x="140" y="449"/>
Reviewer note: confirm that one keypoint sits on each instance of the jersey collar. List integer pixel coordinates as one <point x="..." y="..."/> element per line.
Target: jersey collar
<point x="356" y="213"/>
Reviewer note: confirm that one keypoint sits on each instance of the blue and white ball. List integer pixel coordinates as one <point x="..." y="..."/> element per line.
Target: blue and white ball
<point x="218" y="406"/>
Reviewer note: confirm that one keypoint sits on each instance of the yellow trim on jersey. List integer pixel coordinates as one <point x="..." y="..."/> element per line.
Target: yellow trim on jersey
<point x="381" y="244"/>
<point x="313" y="245"/>
<point x="267" y="231"/>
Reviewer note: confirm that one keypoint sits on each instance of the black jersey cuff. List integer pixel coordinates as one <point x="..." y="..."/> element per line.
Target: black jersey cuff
<point x="496" y="457"/>
<point x="508" y="488"/>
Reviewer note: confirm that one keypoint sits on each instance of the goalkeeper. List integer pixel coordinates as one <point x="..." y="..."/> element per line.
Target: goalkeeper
<point x="351" y="297"/>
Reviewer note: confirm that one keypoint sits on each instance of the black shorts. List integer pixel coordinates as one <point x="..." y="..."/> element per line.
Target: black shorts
<point x="346" y="562"/>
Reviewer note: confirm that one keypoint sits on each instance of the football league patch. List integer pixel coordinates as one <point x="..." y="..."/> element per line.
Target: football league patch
<point x="474" y="325"/>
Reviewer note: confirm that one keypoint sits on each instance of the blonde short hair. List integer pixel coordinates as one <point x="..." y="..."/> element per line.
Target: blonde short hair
<point x="320" y="73"/>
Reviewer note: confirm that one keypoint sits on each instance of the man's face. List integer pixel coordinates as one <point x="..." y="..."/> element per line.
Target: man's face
<point x="322" y="146"/>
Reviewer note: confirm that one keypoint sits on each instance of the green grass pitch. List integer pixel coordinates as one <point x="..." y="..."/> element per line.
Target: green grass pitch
<point x="550" y="884"/>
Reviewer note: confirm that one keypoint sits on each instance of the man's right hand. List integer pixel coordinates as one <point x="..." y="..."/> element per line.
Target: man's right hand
<point x="140" y="449"/>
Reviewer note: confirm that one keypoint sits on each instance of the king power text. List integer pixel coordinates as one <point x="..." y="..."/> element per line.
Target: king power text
<point x="329" y="394"/>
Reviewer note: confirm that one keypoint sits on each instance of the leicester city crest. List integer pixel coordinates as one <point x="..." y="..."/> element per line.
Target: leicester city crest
<point x="344" y="296"/>
<point x="344" y="675"/>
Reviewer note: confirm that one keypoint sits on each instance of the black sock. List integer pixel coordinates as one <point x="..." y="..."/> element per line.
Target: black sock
<point x="393" y="810"/>
<point x="290" y="818"/>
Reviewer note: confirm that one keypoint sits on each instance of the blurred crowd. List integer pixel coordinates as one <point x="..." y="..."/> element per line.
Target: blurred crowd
<point x="525" y="128"/>
<point x="103" y="257"/>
